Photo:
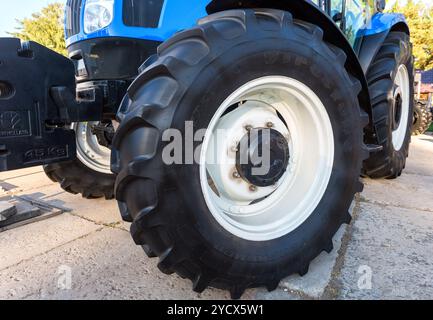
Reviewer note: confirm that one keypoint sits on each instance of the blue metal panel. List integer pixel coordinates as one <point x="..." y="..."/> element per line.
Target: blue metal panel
<point x="381" y="22"/>
<point x="176" y="15"/>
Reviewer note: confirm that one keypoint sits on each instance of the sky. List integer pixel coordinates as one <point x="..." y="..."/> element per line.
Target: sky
<point x="19" y="9"/>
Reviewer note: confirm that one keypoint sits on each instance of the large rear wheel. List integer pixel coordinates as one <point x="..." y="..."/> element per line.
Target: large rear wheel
<point x="422" y="118"/>
<point x="255" y="80"/>
<point x="390" y="79"/>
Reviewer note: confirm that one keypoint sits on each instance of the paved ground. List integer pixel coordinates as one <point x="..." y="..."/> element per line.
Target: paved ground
<point x="384" y="254"/>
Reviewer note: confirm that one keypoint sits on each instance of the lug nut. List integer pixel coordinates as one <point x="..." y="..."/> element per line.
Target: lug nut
<point x="234" y="149"/>
<point x="248" y="127"/>
<point x="253" y="188"/>
<point x="270" y="125"/>
<point x="236" y="175"/>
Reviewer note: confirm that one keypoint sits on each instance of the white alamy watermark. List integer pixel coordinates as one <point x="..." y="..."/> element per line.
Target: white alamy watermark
<point x="64" y="280"/>
<point x="365" y="280"/>
<point x="253" y="148"/>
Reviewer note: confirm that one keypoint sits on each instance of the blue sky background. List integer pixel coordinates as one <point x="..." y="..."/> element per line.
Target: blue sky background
<point x="18" y="9"/>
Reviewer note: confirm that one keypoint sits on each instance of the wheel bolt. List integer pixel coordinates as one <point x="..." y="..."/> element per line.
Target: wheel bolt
<point x="248" y="127"/>
<point x="270" y="125"/>
<point x="253" y="188"/>
<point x="236" y="175"/>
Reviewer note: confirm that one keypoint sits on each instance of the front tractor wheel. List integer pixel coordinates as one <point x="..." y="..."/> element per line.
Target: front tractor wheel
<point x="89" y="174"/>
<point x="255" y="81"/>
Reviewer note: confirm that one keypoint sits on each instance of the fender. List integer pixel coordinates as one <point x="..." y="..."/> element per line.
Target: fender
<point x="375" y="34"/>
<point x="308" y="12"/>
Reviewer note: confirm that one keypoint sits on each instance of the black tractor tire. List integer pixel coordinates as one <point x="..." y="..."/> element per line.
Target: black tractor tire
<point x="422" y="118"/>
<point x="395" y="51"/>
<point x="76" y="178"/>
<point x="194" y="73"/>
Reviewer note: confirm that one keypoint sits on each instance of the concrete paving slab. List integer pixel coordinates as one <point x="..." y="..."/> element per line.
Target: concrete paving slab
<point x="279" y="294"/>
<point x="103" y="265"/>
<point x="9" y="175"/>
<point x="31" y="240"/>
<point x="30" y="179"/>
<point x="99" y="211"/>
<point x="414" y="188"/>
<point x="421" y="156"/>
<point x="392" y="247"/>
<point x="410" y="191"/>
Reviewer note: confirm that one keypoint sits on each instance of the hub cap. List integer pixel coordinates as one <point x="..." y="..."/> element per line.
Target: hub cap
<point x="401" y="107"/>
<point x="250" y="152"/>
<point x="287" y="117"/>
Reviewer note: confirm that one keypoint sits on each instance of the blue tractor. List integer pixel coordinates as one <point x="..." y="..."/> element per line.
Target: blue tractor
<point x="233" y="134"/>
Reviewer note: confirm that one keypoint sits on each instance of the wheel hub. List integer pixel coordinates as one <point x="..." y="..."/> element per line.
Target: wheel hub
<point x="90" y="151"/>
<point x="262" y="157"/>
<point x="243" y="185"/>
<point x="104" y="132"/>
<point x="398" y="105"/>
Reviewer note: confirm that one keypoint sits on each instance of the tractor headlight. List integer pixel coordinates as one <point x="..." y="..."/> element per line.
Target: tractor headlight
<point x="97" y="14"/>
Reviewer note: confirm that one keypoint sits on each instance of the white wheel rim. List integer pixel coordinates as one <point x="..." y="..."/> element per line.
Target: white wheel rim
<point x="402" y="85"/>
<point x="270" y="212"/>
<point x="89" y="151"/>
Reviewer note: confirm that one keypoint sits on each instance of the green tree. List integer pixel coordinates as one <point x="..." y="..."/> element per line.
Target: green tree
<point x="420" y="20"/>
<point x="44" y="27"/>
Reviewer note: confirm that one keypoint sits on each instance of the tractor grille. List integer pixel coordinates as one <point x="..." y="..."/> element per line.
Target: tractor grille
<point x="142" y="13"/>
<point x="73" y="15"/>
